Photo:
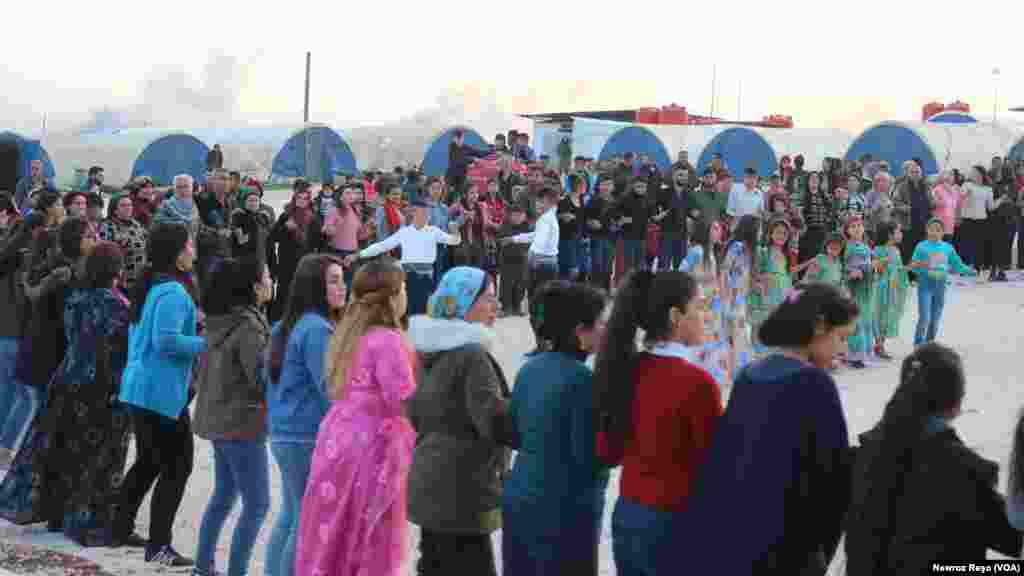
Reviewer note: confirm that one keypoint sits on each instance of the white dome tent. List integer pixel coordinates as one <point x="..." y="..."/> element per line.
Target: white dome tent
<point x="116" y="152"/>
<point x="939" y="146"/>
<point x="814" y="144"/>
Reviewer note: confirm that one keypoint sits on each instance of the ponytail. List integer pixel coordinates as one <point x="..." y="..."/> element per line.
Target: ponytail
<point x="644" y="302"/>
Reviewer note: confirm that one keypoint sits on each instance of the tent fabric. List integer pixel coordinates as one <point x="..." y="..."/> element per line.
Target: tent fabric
<point x="116" y="152"/>
<point x="814" y="144"/>
<point x="953" y="118"/>
<point x="335" y="155"/>
<point x="171" y="155"/>
<point x="1017" y="151"/>
<point x="639" y="140"/>
<point x="435" y="161"/>
<point x="29" y="150"/>
<point x="740" y="147"/>
<point x="939" y="146"/>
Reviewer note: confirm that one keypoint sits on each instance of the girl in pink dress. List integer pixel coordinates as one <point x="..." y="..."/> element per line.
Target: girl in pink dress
<point x="354" y="510"/>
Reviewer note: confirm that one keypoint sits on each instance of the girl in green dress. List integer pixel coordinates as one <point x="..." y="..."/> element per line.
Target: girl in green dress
<point x="860" y="281"/>
<point x="827" y="267"/>
<point x="892" y="285"/>
<point x="773" y="280"/>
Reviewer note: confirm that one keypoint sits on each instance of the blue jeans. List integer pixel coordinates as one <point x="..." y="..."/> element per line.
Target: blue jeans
<point x="639" y="535"/>
<point x="294" y="460"/>
<point x="419" y="287"/>
<point x="568" y="260"/>
<point x="634" y="255"/>
<point x="931" y="299"/>
<point x="241" y="469"/>
<point x="671" y="253"/>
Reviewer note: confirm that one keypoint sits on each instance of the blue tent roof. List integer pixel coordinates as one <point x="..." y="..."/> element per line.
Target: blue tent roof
<point x="741" y="148"/>
<point x="895" y="144"/>
<point x="335" y="155"/>
<point x="435" y="161"/>
<point x="953" y="118"/>
<point x="171" y="155"/>
<point x="28" y="151"/>
<point x="638" y="140"/>
<point x="1017" y="151"/>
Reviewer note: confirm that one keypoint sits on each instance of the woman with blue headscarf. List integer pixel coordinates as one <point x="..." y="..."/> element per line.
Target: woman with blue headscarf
<point x="459" y="413"/>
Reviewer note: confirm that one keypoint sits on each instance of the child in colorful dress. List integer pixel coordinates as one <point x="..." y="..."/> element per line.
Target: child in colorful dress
<point x="738" y="270"/>
<point x="700" y="261"/>
<point x="934" y="257"/>
<point x="774" y="280"/>
<point x="828" y="266"/>
<point x="892" y="285"/>
<point x="860" y="282"/>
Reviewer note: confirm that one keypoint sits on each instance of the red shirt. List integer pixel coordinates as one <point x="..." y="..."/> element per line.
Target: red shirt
<point x="676" y="405"/>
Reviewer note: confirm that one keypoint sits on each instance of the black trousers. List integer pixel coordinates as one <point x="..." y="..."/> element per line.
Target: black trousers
<point x="972" y="243"/>
<point x="1001" y="231"/>
<point x="444" y="554"/>
<point x="513" y="285"/>
<point x="164" y="454"/>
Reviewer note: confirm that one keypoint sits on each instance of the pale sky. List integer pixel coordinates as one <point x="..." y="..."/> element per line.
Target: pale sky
<point x="824" y="63"/>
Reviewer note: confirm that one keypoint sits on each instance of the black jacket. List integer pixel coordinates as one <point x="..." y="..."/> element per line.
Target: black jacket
<point x="459" y="158"/>
<point x="677" y="203"/>
<point x="942" y="506"/>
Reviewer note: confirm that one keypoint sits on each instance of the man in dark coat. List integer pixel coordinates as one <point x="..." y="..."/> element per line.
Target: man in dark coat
<point x="460" y="156"/>
<point x="215" y="158"/>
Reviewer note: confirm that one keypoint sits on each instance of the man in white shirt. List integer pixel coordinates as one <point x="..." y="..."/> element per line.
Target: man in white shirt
<point x="746" y="200"/>
<point x="419" y="251"/>
<point x="542" y="257"/>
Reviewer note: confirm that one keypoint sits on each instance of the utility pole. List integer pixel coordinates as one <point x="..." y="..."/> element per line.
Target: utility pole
<point x="714" y="80"/>
<point x="995" y="102"/>
<point x="739" y="102"/>
<point x="305" y="110"/>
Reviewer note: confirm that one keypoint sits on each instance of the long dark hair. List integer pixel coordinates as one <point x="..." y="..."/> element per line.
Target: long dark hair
<point x="307" y="293"/>
<point x="796" y="320"/>
<point x="1016" y="483"/>
<point x="230" y="284"/>
<point x="561" y="307"/>
<point x="104" y="265"/>
<point x="931" y="384"/>
<point x="643" y="302"/>
<point x="166" y="242"/>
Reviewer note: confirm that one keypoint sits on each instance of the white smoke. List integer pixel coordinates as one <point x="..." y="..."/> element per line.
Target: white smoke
<point x="170" y="99"/>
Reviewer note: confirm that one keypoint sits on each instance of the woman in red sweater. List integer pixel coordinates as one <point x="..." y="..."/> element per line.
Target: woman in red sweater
<point x="656" y="409"/>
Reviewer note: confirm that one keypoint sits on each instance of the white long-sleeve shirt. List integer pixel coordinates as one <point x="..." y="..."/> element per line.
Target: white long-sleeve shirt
<point x="543" y="240"/>
<point x="419" y="246"/>
<point x="977" y="203"/>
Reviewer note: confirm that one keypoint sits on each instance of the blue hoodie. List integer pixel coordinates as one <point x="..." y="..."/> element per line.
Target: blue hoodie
<point x="298" y="401"/>
<point x="161" y="348"/>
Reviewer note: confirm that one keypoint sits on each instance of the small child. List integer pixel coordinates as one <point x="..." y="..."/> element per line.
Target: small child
<point x="860" y="282"/>
<point x="892" y="285"/>
<point x="700" y="261"/>
<point x="513" y="262"/>
<point x="773" y="281"/>
<point x="828" y="266"/>
<point x="934" y="257"/>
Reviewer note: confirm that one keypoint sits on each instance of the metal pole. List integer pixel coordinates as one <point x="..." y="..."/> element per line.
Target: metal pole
<point x="714" y="80"/>
<point x="305" y="112"/>
<point x="995" y="103"/>
<point x="739" y="102"/>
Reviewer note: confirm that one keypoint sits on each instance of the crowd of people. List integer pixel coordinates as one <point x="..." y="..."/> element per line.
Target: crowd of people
<point x="353" y="334"/>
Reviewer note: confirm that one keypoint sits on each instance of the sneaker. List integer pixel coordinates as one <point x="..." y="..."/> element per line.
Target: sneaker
<point x="857" y="364"/>
<point x="167" y="556"/>
<point x="883" y="355"/>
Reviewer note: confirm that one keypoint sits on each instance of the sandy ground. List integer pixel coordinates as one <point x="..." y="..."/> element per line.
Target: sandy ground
<point x="982" y="321"/>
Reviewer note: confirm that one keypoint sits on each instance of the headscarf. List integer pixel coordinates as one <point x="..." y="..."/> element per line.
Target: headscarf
<point x="456" y="293"/>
